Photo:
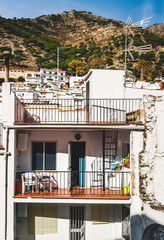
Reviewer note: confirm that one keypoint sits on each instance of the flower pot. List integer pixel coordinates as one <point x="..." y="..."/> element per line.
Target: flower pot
<point x="127" y="165"/>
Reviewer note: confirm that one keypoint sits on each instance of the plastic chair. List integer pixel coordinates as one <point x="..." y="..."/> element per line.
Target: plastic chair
<point x="29" y="180"/>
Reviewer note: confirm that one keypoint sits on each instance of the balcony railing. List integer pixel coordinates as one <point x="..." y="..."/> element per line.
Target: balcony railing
<point x="85" y="111"/>
<point x="67" y="184"/>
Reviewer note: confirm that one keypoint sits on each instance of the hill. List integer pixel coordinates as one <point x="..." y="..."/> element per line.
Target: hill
<point x="91" y="40"/>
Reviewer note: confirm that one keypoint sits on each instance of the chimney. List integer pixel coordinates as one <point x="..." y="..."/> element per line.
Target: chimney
<point x="6" y="55"/>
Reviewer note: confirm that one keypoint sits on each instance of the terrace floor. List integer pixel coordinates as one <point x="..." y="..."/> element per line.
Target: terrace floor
<point x="69" y="123"/>
<point x="79" y="193"/>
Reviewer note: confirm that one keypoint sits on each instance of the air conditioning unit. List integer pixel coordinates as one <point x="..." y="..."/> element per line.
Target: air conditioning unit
<point x="22" y="141"/>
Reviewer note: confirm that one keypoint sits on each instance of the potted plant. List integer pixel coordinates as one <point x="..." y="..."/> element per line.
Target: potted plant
<point x="126" y="161"/>
<point x="117" y="168"/>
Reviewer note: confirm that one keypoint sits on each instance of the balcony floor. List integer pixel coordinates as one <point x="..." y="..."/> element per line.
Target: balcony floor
<point x="79" y="193"/>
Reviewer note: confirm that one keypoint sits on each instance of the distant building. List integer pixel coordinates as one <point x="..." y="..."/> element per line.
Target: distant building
<point x="52" y="75"/>
<point x="33" y="77"/>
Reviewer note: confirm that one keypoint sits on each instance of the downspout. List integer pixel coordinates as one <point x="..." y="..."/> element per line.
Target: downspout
<point x="103" y="160"/>
<point x="6" y="177"/>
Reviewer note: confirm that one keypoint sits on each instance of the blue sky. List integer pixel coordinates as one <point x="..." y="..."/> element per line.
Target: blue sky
<point x="111" y="9"/>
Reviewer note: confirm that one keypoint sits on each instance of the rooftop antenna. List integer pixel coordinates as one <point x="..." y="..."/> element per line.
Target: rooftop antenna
<point x="129" y="47"/>
<point x="142" y="23"/>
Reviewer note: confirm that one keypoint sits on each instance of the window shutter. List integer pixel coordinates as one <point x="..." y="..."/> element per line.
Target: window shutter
<point x="104" y="213"/>
<point x="100" y="214"/>
<point x="49" y="218"/>
<point x="96" y="218"/>
<point x="42" y="218"/>
<point x="35" y="219"/>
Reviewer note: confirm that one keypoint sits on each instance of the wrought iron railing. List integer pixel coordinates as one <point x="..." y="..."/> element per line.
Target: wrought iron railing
<point x="73" y="183"/>
<point x="91" y="111"/>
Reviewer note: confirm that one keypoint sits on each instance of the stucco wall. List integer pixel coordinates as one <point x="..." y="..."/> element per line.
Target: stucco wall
<point x="110" y="231"/>
<point x="93" y="147"/>
<point x="139" y="92"/>
<point x="101" y="83"/>
<point x="93" y="141"/>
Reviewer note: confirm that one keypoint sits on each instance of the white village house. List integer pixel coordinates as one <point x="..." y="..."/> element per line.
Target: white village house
<point x="63" y="171"/>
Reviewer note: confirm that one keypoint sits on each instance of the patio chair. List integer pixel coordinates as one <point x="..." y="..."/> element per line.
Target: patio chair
<point x="53" y="183"/>
<point x="44" y="182"/>
<point x="29" y="180"/>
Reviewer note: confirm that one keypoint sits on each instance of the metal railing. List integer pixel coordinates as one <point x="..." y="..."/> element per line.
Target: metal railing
<point x="93" y="111"/>
<point x="73" y="183"/>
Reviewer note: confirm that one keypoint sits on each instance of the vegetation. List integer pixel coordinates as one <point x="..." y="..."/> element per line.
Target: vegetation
<point x="41" y="37"/>
<point x="21" y="79"/>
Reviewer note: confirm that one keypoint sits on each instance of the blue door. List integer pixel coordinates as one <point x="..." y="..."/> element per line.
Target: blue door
<point x="81" y="172"/>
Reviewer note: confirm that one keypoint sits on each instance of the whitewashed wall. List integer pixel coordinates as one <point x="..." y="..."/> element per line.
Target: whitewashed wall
<point x="139" y="92"/>
<point x="110" y="231"/>
<point x="106" y="83"/>
<point x="93" y="141"/>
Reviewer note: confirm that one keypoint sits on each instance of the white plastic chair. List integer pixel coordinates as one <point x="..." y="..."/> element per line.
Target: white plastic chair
<point x="29" y="179"/>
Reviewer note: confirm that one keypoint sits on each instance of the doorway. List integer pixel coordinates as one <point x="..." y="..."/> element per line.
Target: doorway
<point x="77" y="223"/>
<point x="77" y="164"/>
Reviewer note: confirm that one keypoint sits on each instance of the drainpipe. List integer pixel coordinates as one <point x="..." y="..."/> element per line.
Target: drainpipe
<point x="103" y="160"/>
<point x="6" y="177"/>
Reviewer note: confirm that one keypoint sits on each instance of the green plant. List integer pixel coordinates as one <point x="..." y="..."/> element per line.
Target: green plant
<point x="126" y="159"/>
<point x="117" y="168"/>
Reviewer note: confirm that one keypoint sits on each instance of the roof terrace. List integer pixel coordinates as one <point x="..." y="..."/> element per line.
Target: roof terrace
<point x="78" y="111"/>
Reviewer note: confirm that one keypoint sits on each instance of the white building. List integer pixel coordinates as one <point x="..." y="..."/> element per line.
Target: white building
<point x="75" y="81"/>
<point x="54" y="76"/>
<point x="62" y="172"/>
<point x="33" y="77"/>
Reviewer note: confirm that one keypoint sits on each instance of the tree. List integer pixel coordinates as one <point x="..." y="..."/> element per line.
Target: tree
<point x="108" y="60"/>
<point x="21" y="79"/>
<point x="76" y="67"/>
<point x="145" y="69"/>
<point x="2" y="80"/>
<point x="136" y="72"/>
<point x="12" y="80"/>
<point x="112" y="68"/>
<point x="129" y="66"/>
<point x="95" y="63"/>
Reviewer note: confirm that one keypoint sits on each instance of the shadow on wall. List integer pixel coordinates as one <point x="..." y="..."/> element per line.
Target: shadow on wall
<point x="144" y="228"/>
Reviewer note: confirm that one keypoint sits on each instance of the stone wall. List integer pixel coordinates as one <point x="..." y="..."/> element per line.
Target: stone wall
<point x="13" y="74"/>
<point x="147" y="164"/>
<point x="151" y="159"/>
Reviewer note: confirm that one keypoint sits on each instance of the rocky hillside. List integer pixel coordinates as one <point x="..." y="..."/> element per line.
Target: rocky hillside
<point x="92" y="41"/>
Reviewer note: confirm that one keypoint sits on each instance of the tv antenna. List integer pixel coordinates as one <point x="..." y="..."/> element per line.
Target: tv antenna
<point x="129" y="47"/>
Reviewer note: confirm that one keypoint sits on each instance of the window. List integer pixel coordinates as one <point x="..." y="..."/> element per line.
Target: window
<point x="43" y="155"/>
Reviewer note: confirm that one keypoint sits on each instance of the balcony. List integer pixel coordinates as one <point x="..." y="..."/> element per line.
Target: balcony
<point x="77" y="111"/>
<point x="73" y="184"/>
